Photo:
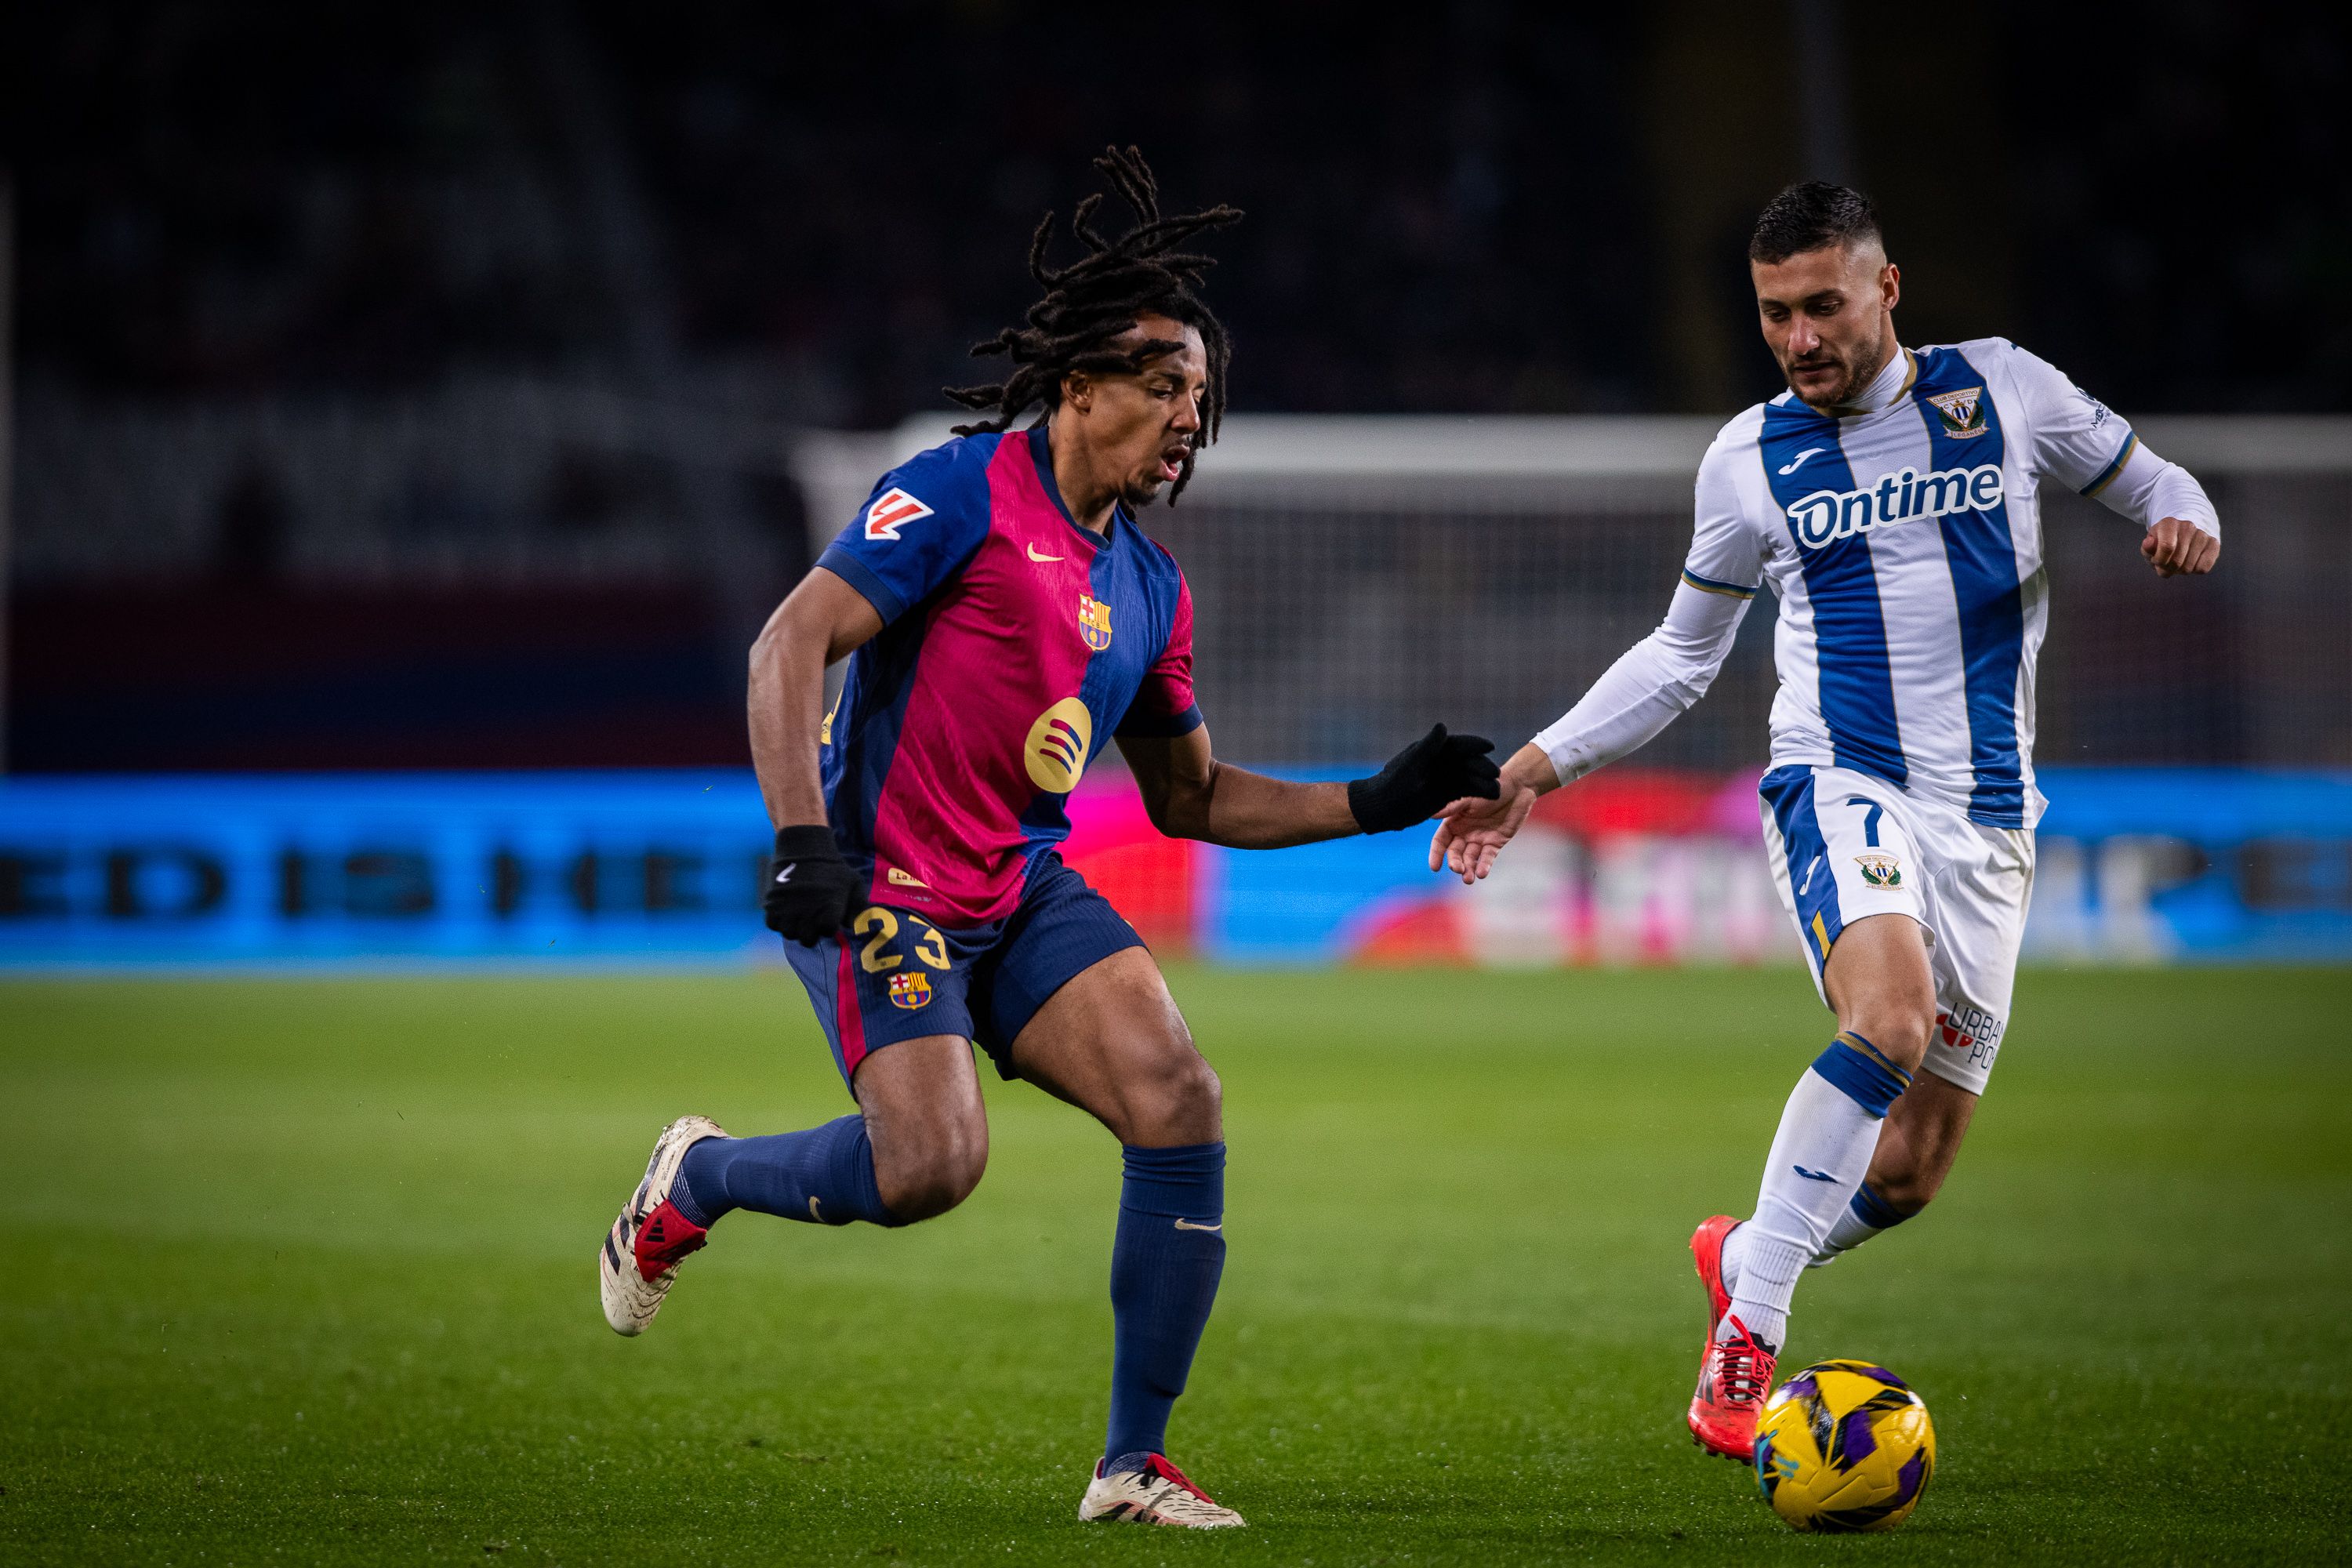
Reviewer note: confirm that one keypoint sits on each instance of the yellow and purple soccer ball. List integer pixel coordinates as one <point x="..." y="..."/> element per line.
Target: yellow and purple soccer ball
<point x="1844" y="1446"/>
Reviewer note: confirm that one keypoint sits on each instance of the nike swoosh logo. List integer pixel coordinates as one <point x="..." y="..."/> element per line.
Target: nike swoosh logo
<point x="813" y="1214"/>
<point x="1034" y="556"/>
<point x="785" y="875"/>
<point x="1808" y="876"/>
<point x="1800" y="463"/>
<point x="1812" y="1175"/>
<point x="1188" y="1225"/>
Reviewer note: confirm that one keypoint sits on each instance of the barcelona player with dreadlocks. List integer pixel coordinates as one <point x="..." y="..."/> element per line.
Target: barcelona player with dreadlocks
<point x="1004" y="615"/>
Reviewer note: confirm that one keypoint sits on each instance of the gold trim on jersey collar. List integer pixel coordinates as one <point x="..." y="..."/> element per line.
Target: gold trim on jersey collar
<point x="1910" y="379"/>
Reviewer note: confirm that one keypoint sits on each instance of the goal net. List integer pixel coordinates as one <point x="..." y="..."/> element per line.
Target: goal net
<point x="1355" y="578"/>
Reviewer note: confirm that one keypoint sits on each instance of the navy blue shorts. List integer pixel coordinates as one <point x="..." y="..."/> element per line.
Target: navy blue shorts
<point x="893" y="976"/>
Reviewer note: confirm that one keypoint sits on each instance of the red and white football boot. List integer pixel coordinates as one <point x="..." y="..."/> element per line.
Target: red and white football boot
<point x="1159" y="1493"/>
<point x="1734" y="1374"/>
<point x="639" y="1259"/>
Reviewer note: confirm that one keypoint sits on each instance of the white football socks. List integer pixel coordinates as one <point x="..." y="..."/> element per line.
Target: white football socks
<point x="1768" y="1271"/>
<point x="1820" y="1153"/>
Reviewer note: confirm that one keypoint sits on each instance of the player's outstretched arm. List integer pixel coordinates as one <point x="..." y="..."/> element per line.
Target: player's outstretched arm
<point x="1191" y="794"/>
<point x="809" y="887"/>
<point x="1635" y="698"/>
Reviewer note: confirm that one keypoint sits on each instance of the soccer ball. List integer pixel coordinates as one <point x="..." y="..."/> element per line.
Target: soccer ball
<point x="1844" y="1446"/>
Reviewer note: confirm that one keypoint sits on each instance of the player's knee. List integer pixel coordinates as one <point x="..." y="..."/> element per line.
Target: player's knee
<point x="934" y="1183"/>
<point x="1178" y="1101"/>
<point x="925" y="1181"/>
<point x="1199" y="1095"/>
<point x="1898" y="1023"/>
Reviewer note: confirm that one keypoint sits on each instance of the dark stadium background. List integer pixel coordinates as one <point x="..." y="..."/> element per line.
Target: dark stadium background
<point x="754" y="220"/>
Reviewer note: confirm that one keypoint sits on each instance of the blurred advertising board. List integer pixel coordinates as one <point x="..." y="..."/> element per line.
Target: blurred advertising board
<point x="1630" y="867"/>
<point x="1649" y="867"/>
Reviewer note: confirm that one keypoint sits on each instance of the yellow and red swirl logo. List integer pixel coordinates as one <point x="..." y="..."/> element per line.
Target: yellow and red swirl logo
<point x="1058" y="745"/>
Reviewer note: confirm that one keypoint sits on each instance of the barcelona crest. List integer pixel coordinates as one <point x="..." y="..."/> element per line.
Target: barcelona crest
<point x="1962" y="412"/>
<point x="1880" y="869"/>
<point x="1094" y="622"/>
<point x="911" y="991"/>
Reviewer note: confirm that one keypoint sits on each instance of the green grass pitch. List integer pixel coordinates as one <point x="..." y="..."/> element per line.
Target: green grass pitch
<point x="301" y="1271"/>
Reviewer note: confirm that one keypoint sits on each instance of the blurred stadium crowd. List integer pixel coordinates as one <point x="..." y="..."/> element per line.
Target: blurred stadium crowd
<point x="1469" y="213"/>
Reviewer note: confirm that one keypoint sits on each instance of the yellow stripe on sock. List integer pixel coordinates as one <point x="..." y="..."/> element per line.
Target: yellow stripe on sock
<point x="1854" y="1042"/>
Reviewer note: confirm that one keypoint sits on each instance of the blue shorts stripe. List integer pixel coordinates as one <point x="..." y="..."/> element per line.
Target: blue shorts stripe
<point x="1790" y="793"/>
<point x="1861" y="1076"/>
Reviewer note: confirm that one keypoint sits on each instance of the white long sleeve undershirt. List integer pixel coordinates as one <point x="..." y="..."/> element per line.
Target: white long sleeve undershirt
<point x="2148" y="489"/>
<point x="1651" y="682"/>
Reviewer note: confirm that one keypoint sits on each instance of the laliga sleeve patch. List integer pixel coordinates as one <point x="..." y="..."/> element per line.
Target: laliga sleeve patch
<point x="893" y="511"/>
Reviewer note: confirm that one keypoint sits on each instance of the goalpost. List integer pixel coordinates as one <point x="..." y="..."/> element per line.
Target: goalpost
<point x="1356" y="577"/>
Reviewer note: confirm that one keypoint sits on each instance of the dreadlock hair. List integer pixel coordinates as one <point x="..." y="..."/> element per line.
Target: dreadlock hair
<point x="1094" y="300"/>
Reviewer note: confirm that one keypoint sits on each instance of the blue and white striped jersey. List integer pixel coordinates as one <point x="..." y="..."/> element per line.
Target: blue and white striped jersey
<point x="1904" y="544"/>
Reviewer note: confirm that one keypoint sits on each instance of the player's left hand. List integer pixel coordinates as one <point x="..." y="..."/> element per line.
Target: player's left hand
<point x="1434" y="769"/>
<point x="2179" y="548"/>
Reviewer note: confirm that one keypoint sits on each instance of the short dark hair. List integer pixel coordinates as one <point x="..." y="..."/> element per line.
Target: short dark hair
<point x="1090" y="303"/>
<point x="1809" y="215"/>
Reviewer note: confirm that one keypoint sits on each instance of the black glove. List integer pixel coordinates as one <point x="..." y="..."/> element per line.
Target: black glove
<point x="1434" y="769"/>
<point x="810" y="886"/>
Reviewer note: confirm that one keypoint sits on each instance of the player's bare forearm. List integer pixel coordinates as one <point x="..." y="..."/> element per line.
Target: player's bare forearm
<point x="1243" y="810"/>
<point x="786" y="709"/>
<point x="824" y="620"/>
<point x="1191" y="794"/>
<point x="1528" y="769"/>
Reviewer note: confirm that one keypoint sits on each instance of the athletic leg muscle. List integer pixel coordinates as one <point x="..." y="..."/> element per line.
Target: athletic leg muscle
<point x="1111" y="1041"/>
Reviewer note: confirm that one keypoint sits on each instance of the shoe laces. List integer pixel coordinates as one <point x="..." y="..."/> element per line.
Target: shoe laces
<point x="1742" y="1369"/>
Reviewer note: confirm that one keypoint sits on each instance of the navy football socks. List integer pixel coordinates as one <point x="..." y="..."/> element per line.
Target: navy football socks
<point x="823" y="1175"/>
<point x="1164" y="1268"/>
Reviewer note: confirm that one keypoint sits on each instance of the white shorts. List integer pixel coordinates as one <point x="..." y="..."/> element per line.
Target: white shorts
<point x="1844" y="845"/>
